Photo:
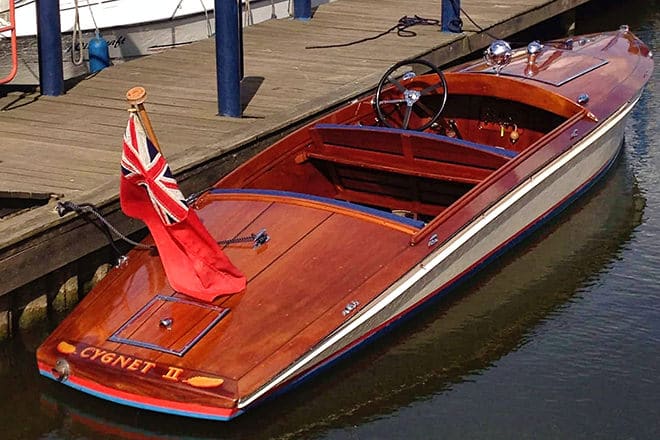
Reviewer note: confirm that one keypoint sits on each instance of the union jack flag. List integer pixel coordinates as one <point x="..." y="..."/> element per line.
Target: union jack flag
<point x="193" y="261"/>
<point x="143" y="165"/>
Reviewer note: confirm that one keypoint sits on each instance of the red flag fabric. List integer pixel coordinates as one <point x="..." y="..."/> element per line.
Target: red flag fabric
<point x="193" y="261"/>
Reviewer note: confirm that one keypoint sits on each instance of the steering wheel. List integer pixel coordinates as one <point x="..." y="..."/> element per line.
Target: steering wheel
<point x="400" y="93"/>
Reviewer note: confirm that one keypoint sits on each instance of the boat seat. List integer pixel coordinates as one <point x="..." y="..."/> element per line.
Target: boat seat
<point x="405" y="152"/>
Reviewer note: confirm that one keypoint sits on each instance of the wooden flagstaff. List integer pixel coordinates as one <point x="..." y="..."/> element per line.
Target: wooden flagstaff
<point x="136" y="97"/>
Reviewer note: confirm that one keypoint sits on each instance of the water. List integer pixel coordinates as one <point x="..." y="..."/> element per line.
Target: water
<point x="558" y="339"/>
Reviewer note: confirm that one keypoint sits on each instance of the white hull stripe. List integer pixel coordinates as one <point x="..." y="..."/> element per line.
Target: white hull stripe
<point x="451" y="247"/>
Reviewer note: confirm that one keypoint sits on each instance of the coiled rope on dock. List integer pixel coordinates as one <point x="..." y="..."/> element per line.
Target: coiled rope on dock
<point x="405" y="22"/>
<point x="401" y="29"/>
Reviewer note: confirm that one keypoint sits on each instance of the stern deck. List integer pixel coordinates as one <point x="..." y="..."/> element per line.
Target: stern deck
<point x="321" y="256"/>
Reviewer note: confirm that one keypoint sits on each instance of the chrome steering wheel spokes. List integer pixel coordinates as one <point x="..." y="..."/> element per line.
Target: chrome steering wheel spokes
<point x="400" y="98"/>
<point x="411" y="97"/>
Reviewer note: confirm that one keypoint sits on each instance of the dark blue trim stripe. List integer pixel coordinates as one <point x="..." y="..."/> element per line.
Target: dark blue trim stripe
<point x="438" y="137"/>
<point x="139" y="405"/>
<point x="383" y="329"/>
<point x="325" y="200"/>
<point x="444" y="291"/>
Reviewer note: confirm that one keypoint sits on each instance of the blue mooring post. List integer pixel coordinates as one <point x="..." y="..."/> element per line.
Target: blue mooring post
<point x="49" y="44"/>
<point x="451" y="16"/>
<point x="302" y="9"/>
<point x="241" y="67"/>
<point x="227" y="61"/>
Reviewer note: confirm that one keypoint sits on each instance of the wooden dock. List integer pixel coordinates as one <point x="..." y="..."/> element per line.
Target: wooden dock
<point x="68" y="147"/>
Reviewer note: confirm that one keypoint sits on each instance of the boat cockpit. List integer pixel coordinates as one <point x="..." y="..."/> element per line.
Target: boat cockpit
<point x="419" y="145"/>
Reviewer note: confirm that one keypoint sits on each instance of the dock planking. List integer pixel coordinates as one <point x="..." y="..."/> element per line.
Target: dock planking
<point x="69" y="146"/>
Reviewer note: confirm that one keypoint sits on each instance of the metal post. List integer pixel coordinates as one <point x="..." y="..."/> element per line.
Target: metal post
<point x="302" y="9"/>
<point x="49" y="43"/>
<point x="241" y="66"/>
<point x="227" y="58"/>
<point x="451" y="16"/>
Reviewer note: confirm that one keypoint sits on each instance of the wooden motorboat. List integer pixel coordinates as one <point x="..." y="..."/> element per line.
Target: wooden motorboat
<point x="359" y="219"/>
<point x="434" y="352"/>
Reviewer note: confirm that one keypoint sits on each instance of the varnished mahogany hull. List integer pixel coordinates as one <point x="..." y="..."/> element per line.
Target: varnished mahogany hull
<point x="554" y="188"/>
<point x="336" y="274"/>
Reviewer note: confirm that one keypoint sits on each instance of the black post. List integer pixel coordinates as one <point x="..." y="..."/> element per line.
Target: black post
<point x="227" y="58"/>
<point x="49" y="47"/>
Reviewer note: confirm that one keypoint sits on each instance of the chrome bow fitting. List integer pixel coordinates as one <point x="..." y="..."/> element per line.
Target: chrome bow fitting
<point x="498" y="55"/>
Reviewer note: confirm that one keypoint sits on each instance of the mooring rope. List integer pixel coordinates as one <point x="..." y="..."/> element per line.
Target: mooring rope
<point x="406" y="22"/>
<point x="87" y="208"/>
<point x="401" y="29"/>
<point x="76" y="39"/>
<point x="91" y="12"/>
<point x="209" y="28"/>
<point x="479" y="28"/>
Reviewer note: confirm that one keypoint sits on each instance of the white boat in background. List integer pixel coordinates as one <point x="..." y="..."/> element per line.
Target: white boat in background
<point x="132" y="28"/>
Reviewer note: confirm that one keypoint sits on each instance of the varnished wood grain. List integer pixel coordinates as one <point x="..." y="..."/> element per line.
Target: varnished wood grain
<point x="277" y="306"/>
<point x="325" y="257"/>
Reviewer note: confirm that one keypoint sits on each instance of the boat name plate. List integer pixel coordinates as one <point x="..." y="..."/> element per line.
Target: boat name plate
<point x="81" y="354"/>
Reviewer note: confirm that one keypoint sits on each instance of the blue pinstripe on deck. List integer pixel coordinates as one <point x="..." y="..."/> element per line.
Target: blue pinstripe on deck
<point x="325" y="200"/>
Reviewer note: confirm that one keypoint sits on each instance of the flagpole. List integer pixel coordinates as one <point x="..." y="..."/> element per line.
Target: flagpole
<point x="136" y="97"/>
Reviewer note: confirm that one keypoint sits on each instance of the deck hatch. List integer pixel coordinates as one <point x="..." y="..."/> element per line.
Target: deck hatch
<point x="169" y="324"/>
<point x="555" y="67"/>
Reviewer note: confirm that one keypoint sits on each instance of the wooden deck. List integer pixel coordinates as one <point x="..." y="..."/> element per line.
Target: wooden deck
<point x="69" y="146"/>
